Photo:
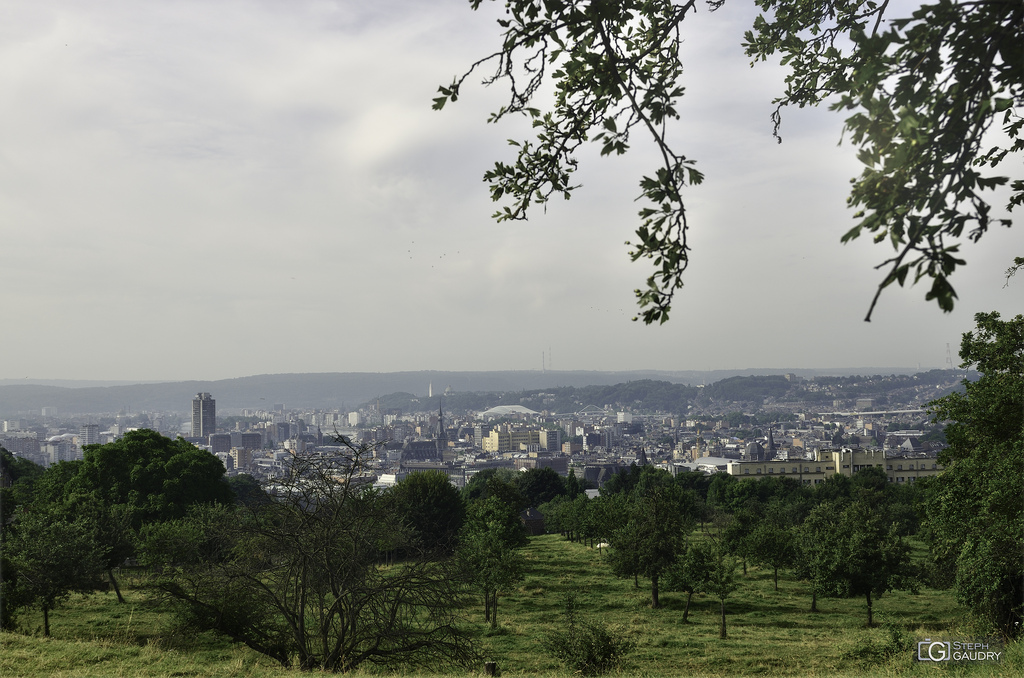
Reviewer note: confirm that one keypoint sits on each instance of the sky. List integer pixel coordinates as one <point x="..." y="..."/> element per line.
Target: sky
<point x="208" y="189"/>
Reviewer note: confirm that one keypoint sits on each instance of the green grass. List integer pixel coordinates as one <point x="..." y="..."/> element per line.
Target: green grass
<point x="770" y="633"/>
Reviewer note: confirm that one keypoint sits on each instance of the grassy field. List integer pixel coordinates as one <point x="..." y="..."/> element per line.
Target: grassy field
<point x="770" y="633"/>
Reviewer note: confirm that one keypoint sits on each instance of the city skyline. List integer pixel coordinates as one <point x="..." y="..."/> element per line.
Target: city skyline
<point x="268" y="181"/>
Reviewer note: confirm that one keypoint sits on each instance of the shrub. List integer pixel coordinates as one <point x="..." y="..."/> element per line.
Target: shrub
<point x="588" y="648"/>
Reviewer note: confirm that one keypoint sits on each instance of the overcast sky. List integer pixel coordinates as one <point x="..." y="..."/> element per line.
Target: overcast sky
<point x="206" y="189"/>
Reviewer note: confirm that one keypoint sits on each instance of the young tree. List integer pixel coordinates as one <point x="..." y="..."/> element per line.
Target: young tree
<point x="924" y="89"/>
<point x="772" y="545"/>
<point x="488" y="551"/>
<point x="660" y="519"/>
<point x="974" y="515"/>
<point x="858" y="552"/>
<point x="586" y="647"/>
<point x="52" y="558"/>
<point x="691" y="571"/>
<point x="720" y="580"/>
<point x="302" y="578"/>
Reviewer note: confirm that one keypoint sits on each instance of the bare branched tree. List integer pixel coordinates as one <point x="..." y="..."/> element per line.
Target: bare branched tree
<point x="304" y="578"/>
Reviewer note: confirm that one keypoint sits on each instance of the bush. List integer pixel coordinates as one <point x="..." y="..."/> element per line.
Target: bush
<point x="586" y="647"/>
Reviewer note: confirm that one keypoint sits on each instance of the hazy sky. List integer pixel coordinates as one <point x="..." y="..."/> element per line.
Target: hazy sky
<point x="204" y="189"/>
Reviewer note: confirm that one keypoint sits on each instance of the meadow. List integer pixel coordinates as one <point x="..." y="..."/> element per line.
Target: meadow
<point x="770" y="633"/>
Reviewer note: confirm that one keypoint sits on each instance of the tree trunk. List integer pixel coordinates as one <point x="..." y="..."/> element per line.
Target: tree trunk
<point x="46" y="621"/>
<point x="776" y="579"/>
<point x="655" y="604"/>
<point x="113" y="582"/>
<point x="870" y="621"/>
<point x="721" y="628"/>
<point x="494" y="610"/>
<point x="814" y="600"/>
<point x="686" y="609"/>
<point x="744" y="566"/>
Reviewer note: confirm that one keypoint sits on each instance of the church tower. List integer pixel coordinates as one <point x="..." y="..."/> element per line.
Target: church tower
<point x="441" y="436"/>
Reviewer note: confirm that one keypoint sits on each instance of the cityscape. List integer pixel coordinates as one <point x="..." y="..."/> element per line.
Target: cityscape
<point x="739" y="408"/>
<point x="807" y="428"/>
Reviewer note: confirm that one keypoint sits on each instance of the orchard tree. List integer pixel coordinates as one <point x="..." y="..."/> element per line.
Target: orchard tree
<point x="53" y="557"/>
<point x="772" y="545"/>
<point x="302" y="579"/>
<point x="691" y="572"/>
<point x="431" y="507"/>
<point x="974" y="514"/>
<point x="858" y="552"/>
<point x="922" y="90"/>
<point x="540" y="485"/>
<point x="720" y="580"/>
<point x="140" y="478"/>
<point x="660" y="520"/>
<point x="155" y="477"/>
<point x="488" y="550"/>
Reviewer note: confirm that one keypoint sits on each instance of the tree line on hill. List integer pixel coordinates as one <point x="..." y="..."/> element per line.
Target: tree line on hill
<point x="655" y="395"/>
<point x="321" y="571"/>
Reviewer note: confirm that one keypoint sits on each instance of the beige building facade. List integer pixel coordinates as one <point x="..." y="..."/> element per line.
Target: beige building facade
<point x="845" y="461"/>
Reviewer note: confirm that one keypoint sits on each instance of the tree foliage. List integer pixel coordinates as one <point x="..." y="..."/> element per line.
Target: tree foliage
<point x="142" y="477"/>
<point x="488" y="551"/>
<point x="691" y="571"/>
<point x="923" y="89"/>
<point x="155" y="477"/>
<point x="431" y="507"/>
<point x="852" y="549"/>
<point x="974" y="514"/>
<point x="302" y="579"/>
<point x="586" y="647"/>
<point x="52" y="557"/>
<point x="660" y="517"/>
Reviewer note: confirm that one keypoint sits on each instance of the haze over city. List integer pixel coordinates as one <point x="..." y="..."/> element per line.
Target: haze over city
<point x="197" y="190"/>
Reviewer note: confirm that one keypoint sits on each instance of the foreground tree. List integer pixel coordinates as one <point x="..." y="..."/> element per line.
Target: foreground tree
<point x="924" y="89"/>
<point x="660" y="519"/>
<point x="431" y="507"/>
<point x="488" y="551"/>
<point x="302" y="579"/>
<point x="858" y="552"/>
<point x="586" y="647"/>
<point x="974" y="513"/>
<point x="140" y="478"/>
<point x="52" y="557"/>
<point x="692" y="571"/>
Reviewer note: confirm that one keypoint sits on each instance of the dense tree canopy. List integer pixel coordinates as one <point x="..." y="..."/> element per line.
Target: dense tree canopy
<point x="156" y="477"/>
<point x="431" y="508"/>
<point x="52" y="557"/>
<point x="857" y="552"/>
<point x="303" y="579"/>
<point x="924" y="90"/>
<point x="974" y="514"/>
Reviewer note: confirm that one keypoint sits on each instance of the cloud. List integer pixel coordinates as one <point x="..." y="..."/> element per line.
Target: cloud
<point x="265" y="179"/>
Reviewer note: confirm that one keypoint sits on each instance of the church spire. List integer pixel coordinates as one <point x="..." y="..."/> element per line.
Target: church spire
<point x="442" y="435"/>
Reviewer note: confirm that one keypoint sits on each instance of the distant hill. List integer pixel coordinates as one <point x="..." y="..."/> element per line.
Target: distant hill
<point x="335" y="390"/>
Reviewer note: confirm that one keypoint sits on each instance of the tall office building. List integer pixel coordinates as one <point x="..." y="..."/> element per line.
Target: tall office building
<point x="204" y="415"/>
<point x="89" y="434"/>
